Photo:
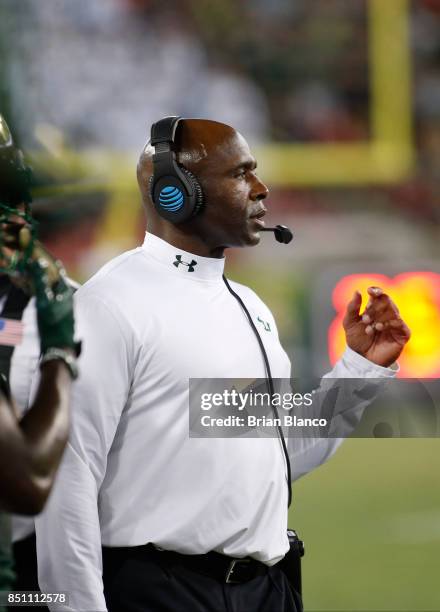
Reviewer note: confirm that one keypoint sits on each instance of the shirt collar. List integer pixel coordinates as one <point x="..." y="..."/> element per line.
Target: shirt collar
<point x="183" y="262"/>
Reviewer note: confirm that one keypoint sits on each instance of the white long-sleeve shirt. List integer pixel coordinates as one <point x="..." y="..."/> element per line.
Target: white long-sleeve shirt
<point x="150" y="320"/>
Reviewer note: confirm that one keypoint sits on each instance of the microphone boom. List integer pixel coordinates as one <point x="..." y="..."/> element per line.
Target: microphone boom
<point x="282" y="233"/>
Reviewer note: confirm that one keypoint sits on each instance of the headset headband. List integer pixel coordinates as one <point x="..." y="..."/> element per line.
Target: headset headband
<point x="164" y="131"/>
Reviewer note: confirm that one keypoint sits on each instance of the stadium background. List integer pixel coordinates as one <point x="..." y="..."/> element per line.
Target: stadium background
<point x="341" y="102"/>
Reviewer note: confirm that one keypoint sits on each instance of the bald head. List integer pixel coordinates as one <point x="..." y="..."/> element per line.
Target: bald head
<point x="197" y="140"/>
<point x="225" y="170"/>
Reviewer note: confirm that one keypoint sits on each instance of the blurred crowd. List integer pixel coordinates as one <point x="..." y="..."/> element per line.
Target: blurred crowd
<point x="97" y="71"/>
<point x="284" y="70"/>
<point x="96" y="74"/>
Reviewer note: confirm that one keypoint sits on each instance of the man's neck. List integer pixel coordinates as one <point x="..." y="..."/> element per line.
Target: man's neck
<point x="186" y="242"/>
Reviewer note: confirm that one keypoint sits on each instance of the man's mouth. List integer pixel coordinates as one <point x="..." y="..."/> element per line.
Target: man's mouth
<point x="258" y="216"/>
<point x="259" y="213"/>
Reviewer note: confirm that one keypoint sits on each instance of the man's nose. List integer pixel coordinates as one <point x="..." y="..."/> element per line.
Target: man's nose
<point x="260" y="190"/>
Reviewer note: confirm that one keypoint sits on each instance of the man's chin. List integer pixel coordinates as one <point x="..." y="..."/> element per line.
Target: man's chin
<point x="252" y="239"/>
<point x="252" y="232"/>
<point x="246" y="239"/>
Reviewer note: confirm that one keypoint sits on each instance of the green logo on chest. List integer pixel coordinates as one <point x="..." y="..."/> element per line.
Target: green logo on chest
<point x="265" y="324"/>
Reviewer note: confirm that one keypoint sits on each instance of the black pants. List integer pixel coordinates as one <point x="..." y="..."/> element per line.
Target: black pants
<point x="135" y="582"/>
<point x="26" y="573"/>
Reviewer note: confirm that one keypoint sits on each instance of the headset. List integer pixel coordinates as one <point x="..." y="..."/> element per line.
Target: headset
<point x="174" y="190"/>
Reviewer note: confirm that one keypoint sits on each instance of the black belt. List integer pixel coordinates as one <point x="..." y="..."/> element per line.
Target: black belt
<point x="220" y="567"/>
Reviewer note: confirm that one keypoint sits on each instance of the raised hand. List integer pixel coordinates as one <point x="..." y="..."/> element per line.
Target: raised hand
<point x="54" y="298"/>
<point x="32" y="268"/>
<point x="379" y="333"/>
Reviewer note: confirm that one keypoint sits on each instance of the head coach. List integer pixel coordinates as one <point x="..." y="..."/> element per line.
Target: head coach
<point x="143" y="517"/>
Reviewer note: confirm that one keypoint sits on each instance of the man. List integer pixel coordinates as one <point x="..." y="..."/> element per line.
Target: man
<point x="31" y="448"/>
<point x="173" y="513"/>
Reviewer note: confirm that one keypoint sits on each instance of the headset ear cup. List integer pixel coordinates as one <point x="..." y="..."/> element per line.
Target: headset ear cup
<point x="192" y="184"/>
<point x="198" y="192"/>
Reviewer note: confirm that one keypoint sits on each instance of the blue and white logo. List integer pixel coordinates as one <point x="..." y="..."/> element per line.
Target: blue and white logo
<point x="171" y="198"/>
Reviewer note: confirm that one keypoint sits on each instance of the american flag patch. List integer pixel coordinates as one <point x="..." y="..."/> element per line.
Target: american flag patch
<point x="11" y="332"/>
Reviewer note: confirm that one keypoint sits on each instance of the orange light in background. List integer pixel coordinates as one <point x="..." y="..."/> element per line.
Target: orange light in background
<point x="417" y="295"/>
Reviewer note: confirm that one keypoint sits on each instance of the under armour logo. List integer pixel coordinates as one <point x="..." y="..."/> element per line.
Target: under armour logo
<point x="184" y="263"/>
<point x="265" y="324"/>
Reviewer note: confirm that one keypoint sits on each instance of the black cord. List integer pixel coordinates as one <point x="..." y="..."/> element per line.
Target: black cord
<point x="270" y="385"/>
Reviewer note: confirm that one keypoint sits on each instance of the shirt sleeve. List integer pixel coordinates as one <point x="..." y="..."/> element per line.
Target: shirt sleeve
<point x="68" y="531"/>
<point x="307" y="453"/>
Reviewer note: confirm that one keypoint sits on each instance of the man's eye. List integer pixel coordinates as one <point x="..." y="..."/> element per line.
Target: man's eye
<point x="241" y="174"/>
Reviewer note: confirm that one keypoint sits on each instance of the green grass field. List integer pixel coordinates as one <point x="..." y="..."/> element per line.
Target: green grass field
<point x="370" y="519"/>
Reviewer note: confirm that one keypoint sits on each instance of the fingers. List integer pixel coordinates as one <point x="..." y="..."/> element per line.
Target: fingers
<point x="380" y="308"/>
<point x="371" y="327"/>
<point x="382" y="326"/>
<point x="396" y="325"/>
<point x="352" y="313"/>
<point x="404" y="332"/>
<point x="374" y="291"/>
<point x="380" y="313"/>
